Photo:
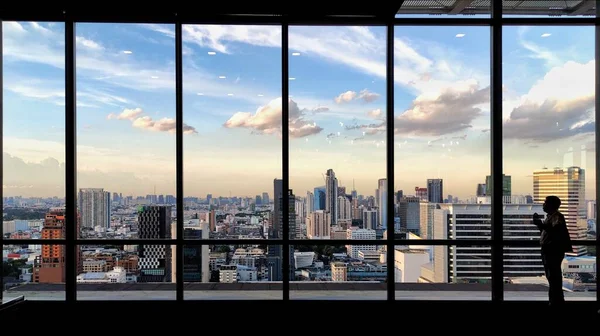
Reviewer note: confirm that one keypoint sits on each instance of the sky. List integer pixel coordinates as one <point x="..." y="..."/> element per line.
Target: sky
<point x="232" y="107"/>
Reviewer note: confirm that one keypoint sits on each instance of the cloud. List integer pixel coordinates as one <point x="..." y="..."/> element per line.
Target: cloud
<point x="559" y="105"/>
<point x="148" y="123"/>
<point x="364" y="95"/>
<point x="320" y="109"/>
<point x="86" y="43"/>
<point x="98" y="65"/>
<point x="450" y="110"/>
<point x="127" y="114"/>
<point x="376" y="113"/>
<point x="267" y="120"/>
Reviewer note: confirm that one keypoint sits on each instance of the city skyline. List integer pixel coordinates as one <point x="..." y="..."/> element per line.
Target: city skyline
<point x="126" y="107"/>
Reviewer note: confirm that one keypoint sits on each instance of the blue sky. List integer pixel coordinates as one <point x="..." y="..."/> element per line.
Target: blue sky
<point x="232" y="106"/>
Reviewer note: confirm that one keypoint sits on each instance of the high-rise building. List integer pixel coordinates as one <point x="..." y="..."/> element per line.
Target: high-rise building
<point x="481" y="190"/>
<point x="319" y="198"/>
<point x="49" y="266"/>
<point x="421" y="193"/>
<point x="310" y="203"/>
<point x="369" y="218"/>
<point x="155" y="261"/>
<point x="265" y="198"/>
<point x="382" y="203"/>
<point x="435" y="190"/>
<point x="506" y="185"/>
<point x="277" y="216"/>
<point x="195" y="257"/>
<point x="568" y="184"/>
<point x="94" y="206"/>
<point x="317" y="226"/>
<point x="409" y="212"/>
<point x="344" y="210"/>
<point x="473" y="263"/>
<point x="331" y="194"/>
<point x="426" y="219"/>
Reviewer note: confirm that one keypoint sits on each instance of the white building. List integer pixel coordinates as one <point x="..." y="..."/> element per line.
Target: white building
<point x="117" y="275"/>
<point x="360" y="234"/>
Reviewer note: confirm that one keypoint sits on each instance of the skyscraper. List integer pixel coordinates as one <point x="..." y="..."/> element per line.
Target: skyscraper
<point x="506" y="185"/>
<point x="382" y="202"/>
<point x="155" y="261"/>
<point x="435" y="190"/>
<point x="569" y="185"/>
<point x="331" y="194"/>
<point x="94" y="206"/>
<point x="319" y="198"/>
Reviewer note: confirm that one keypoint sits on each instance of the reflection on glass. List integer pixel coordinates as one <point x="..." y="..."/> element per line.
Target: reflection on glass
<point x="125" y="130"/>
<point x="441" y="124"/>
<point x="33" y="175"/>
<point x="337" y="132"/>
<point x="549" y="9"/>
<point x="459" y="272"/>
<point x="232" y="146"/>
<point x="126" y="272"/>
<point x="236" y="271"/>
<point x="36" y="272"/>
<point x="463" y="9"/>
<point x="548" y="129"/>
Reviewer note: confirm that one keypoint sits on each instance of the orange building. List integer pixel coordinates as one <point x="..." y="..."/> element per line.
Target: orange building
<point x="49" y="267"/>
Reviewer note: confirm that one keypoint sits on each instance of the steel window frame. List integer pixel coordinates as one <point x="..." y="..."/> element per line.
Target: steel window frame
<point x="495" y="22"/>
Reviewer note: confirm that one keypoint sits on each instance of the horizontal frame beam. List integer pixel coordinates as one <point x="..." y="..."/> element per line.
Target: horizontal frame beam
<point x="185" y="18"/>
<point x="271" y="242"/>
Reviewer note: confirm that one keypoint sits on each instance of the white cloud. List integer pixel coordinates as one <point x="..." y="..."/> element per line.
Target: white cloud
<point x="86" y="43"/>
<point x="138" y="120"/>
<point x="559" y="105"/>
<point x="267" y="120"/>
<point x="376" y="113"/>
<point x="447" y="111"/>
<point x="364" y="95"/>
<point x="127" y="114"/>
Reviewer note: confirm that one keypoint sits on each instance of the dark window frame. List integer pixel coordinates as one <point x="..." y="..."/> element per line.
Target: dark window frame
<point x="496" y="22"/>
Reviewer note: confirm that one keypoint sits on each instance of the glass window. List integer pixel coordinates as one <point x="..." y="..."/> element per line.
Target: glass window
<point x="33" y="174"/>
<point x="441" y="125"/>
<point x="125" y="131"/>
<point x="337" y="132"/>
<point x="232" y="144"/>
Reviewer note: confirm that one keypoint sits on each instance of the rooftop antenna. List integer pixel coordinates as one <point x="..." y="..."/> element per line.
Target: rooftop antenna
<point x="353" y="188"/>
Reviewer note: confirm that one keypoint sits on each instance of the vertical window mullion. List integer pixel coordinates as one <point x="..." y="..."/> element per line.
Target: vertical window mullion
<point x="71" y="217"/>
<point x="496" y="150"/>
<point x="285" y="205"/>
<point x="179" y="160"/>
<point x="391" y="281"/>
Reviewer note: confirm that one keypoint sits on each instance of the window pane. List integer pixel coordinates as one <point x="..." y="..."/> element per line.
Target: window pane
<point x="525" y="279"/>
<point x="338" y="272"/>
<point x="548" y="129"/>
<point x="125" y="129"/>
<point x="337" y="131"/>
<point x="36" y="272"/>
<point x="463" y="9"/>
<point x="33" y="175"/>
<point x="442" y="142"/>
<point x="552" y="8"/>
<point x="232" y="116"/>
<point x="233" y="272"/>
<point x="458" y="272"/>
<point x="126" y="272"/>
